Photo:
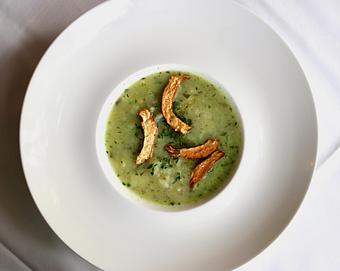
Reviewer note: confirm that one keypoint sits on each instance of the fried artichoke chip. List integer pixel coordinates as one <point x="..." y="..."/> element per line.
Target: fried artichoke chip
<point x="197" y="152"/>
<point x="201" y="169"/>
<point x="168" y="97"/>
<point x="150" y="133"/>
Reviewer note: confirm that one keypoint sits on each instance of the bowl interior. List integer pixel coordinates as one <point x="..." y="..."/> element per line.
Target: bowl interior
<point x="101" y="128"/>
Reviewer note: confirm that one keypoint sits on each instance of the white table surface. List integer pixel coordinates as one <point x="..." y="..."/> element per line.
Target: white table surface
<point x="312" y="30"/>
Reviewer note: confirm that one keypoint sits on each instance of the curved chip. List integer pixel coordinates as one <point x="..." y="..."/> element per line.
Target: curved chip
<point x="201" y="169"/>
<point x="167" y="102"/>
<point x="197" y="152"/>
<point x="150" y="132"/>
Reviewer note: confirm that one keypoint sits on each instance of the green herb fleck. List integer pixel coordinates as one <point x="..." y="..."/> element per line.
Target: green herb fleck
<point x="175" y="107"/>
<point x="177" y="178"/>
<point x="188" y="121"/>
<point x="152" y="167"/>
<point x="165" y="163"/>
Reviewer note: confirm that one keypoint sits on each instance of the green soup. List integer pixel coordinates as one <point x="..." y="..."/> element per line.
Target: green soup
<point x="162" y="179"/>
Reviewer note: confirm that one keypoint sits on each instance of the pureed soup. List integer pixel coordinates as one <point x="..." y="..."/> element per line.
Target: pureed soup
<point x="173" y="176"/>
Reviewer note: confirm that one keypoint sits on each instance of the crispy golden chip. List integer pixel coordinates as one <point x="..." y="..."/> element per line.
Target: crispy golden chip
<point x="167" y="102"/>
<point x="197" y="152"/>
<point x="201" y="169"/>
<point x="150" y="132"/>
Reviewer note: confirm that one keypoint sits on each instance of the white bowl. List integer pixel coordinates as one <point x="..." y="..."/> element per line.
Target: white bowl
<point x="99" y="50"/>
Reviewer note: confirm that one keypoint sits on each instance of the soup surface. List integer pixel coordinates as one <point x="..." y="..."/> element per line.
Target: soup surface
<point x="163" y="179"/>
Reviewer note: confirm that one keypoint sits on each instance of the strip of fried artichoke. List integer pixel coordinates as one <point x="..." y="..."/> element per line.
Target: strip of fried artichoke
<point x="168" y="97"/>
<point x="201" y="169"/>
<point x="197" y="152"/>
<point x="150" y="133"/>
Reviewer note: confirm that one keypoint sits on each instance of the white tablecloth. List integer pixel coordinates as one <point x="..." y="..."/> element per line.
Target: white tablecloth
<point x="312" y="30"/>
